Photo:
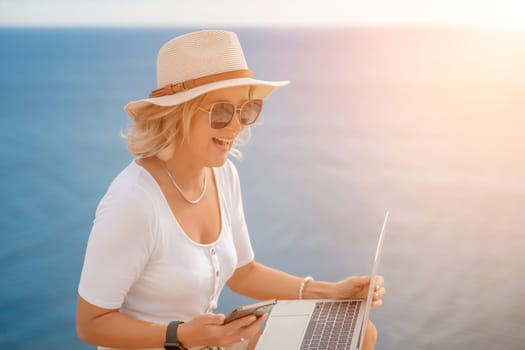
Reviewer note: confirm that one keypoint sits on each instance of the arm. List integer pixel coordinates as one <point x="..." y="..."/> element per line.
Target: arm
<point x="99" y="326"/>
<point x="111" y="328"/>
<point x="258" y="281"/>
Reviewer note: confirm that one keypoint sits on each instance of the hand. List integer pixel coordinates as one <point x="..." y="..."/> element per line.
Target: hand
<point x="357" y="288"/>
<point x="210" y="330"/>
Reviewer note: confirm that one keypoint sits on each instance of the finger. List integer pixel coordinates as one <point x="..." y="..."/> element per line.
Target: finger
<point x="255" y="339"/>
<point x="378" y="294"/>
<point x="259" y="321"/>
<point x="251" y="330"/>
<point x="242" y="322"/>
<point x="379" y="282"/>
<point x="246" y="332"/>
<point x="377" y="303"/>
<point x="213" y="318"/>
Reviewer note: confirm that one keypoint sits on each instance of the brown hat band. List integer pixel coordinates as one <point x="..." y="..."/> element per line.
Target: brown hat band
<point x="171" y="89"/>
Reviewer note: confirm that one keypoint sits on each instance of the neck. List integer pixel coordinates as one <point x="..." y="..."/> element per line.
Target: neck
<point x="188" y="172"/>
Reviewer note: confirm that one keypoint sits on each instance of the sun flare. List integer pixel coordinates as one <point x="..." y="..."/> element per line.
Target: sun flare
<point x="507" y="14"/>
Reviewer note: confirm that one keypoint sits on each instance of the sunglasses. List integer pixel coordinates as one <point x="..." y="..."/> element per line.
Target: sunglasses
<point x="221" y="113"/>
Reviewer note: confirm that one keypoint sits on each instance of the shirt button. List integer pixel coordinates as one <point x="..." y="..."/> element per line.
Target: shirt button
<point x="212" y="251"/>
<point x="216" y="273"/>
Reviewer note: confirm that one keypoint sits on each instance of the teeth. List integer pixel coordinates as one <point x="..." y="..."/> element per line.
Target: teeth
<point x="223" y="141"/>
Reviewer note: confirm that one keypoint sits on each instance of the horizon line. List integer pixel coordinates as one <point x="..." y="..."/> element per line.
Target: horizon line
<point x="262" y="26"/>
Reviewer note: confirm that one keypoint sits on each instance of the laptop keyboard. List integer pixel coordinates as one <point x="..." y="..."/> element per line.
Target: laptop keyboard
<point x="331" y="326"/>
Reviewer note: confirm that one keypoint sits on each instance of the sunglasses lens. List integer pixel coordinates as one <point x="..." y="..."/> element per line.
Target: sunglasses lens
<point x="250" y="111"/>
<point x="221" y="114"/>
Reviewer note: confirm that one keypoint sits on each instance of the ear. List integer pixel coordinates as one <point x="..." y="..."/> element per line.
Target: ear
<point x="166" y="153"/>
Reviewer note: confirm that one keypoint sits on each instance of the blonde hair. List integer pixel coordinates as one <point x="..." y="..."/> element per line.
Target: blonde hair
<point x="156" y="129"/>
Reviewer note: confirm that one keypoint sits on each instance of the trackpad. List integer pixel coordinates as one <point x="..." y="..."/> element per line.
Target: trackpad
<point x="283" y="332"/>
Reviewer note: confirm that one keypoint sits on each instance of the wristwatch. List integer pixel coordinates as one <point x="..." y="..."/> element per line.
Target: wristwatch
<point x="172" y="342"/>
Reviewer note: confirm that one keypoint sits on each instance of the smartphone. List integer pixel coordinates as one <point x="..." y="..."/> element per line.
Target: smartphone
<point x="257" y="309"/>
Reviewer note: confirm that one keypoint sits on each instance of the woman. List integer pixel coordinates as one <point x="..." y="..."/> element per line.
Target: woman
<point x="170" y="231"/>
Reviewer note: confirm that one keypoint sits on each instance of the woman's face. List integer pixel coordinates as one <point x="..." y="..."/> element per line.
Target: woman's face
<point x="211" y="146"/>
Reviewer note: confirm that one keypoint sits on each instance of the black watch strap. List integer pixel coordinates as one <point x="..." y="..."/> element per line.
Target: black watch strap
<point x="172" y="342"/>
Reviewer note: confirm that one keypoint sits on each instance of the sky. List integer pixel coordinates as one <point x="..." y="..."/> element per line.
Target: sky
<point x="456" y="13"/>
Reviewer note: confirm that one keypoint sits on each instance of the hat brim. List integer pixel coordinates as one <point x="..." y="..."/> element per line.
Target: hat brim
<point x="262" y="90"/>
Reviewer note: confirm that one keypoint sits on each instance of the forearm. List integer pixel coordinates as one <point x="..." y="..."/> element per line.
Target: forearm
<point x="262" y="282"/>
<point x="117" y="330"/>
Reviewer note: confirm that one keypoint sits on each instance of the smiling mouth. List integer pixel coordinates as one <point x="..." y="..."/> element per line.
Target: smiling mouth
<point x="222" y="142"/>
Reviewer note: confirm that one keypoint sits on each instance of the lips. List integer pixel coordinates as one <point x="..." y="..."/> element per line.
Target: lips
<point x="223" y="142"/>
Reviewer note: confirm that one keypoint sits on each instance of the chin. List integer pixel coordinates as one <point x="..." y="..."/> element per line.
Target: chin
<point x="217" y="162"/>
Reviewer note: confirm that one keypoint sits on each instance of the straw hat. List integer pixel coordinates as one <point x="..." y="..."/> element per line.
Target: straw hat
<point x="198" y="62"/>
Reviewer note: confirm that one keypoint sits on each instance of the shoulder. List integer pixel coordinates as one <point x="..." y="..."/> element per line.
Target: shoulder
<point x="131" y="192"/>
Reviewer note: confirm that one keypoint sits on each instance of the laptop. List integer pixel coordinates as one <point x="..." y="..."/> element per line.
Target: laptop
<point x="321" y="324"/>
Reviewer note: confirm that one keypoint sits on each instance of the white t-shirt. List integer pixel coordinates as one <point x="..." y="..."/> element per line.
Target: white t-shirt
<point x="139" y="260"/>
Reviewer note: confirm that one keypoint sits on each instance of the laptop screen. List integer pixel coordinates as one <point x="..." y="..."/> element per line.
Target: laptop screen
<point x="371" y="288"/>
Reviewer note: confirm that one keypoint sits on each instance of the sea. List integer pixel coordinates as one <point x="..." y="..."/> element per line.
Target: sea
<point x="427" y="123"/>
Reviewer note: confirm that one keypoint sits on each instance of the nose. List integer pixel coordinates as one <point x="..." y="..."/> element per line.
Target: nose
<point x="235" y="124"/>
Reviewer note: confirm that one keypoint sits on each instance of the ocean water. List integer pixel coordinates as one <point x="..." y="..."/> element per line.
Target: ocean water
<point x="428" y="124"/>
